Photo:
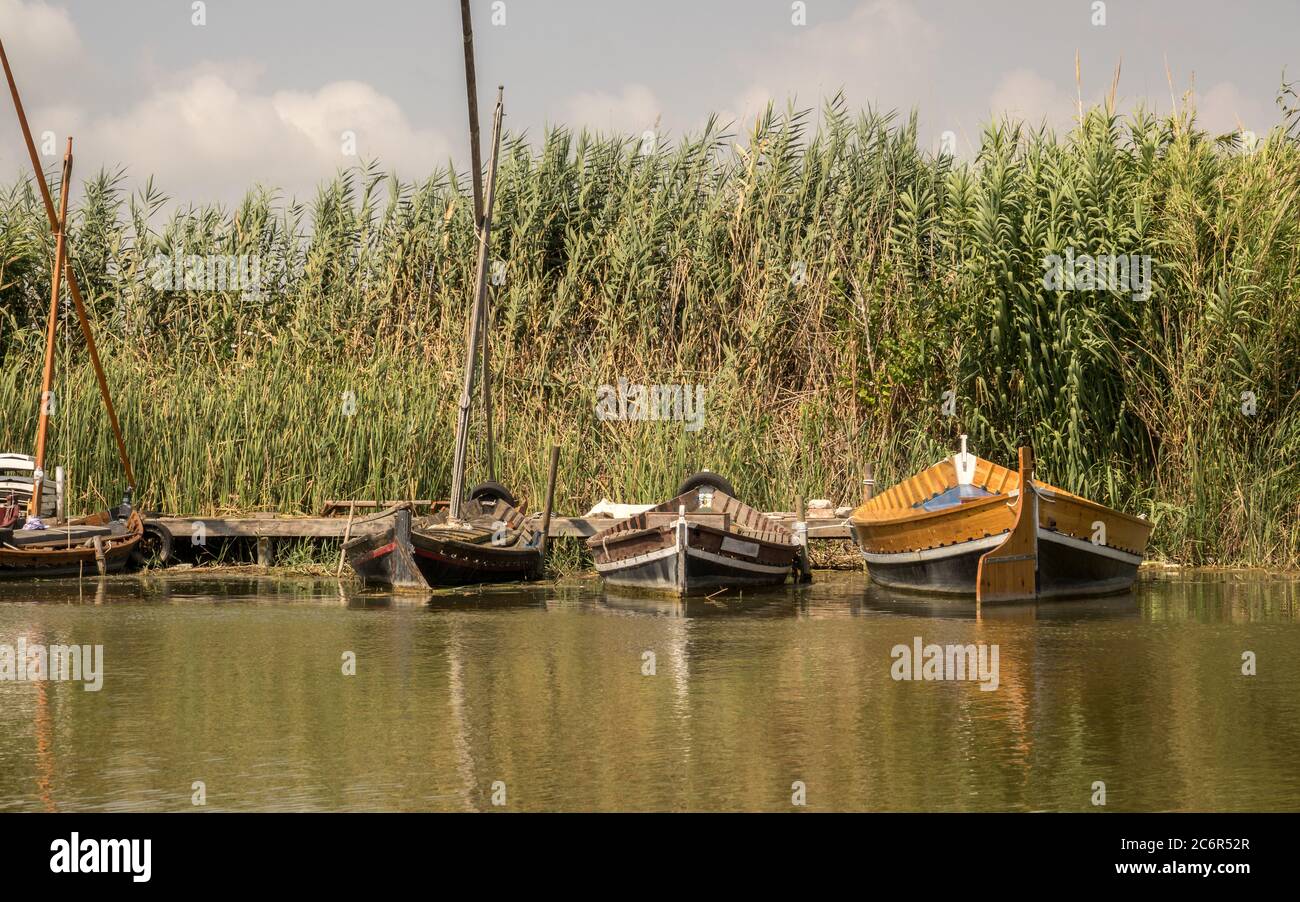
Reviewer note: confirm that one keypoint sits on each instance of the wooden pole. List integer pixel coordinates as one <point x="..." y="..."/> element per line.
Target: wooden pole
<point x="476" y="317"/>
<point x="489" y="446"/>
<point x="47" y="375"/>
<point x="550" y="500"/>
<point x="868" y="483"/>
<point x="347" y="535"/>
<point x="476" y="180"/>
<point x="802" y="568"/>
<point x="471" y="92"/>
<point x="73" y="287"/>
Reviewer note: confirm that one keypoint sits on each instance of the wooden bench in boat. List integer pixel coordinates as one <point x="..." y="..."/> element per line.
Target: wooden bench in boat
<point x="718" y="520"/>
<point x="60" y="535"/>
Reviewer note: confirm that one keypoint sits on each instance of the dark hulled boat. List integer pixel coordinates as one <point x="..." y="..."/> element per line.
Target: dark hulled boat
<point x="966" y="526"/>
<point x="491" y="542"/>
<point x="484" y="538"/>
<point x="701" y="540"/>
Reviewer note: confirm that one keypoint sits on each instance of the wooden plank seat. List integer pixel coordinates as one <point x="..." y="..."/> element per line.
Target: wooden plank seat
<point x="58" y="535"/>
<point x="719" y="520"/>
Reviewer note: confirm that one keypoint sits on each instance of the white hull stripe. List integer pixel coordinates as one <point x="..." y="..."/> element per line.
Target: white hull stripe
<point x="933" y="554"/>
<point x="638" y="560"/>
<point x="1085" y="545"/>
<point x="988" y="542"/>
<point x="723" y="560"/>
<point x="651" y="556"/>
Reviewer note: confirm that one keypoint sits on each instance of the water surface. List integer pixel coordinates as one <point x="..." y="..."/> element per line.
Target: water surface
<point x="542" y="694"/>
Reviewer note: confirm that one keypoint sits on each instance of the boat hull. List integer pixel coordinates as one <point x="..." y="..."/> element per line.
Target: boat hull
<point x="36" y="562"/>
<point x="450" y="562"/>
<point x="1067" y="568"/>
<point x="689" y="559"/>
<point x="418" y="557"/>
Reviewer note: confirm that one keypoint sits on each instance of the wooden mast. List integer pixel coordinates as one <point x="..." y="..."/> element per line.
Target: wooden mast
<point x="471" y="89"/>
<point x="73" y="287"/>
<point x="476" y="181"/>
<point x="51" y="328"/>
<point x="476" y="320"/>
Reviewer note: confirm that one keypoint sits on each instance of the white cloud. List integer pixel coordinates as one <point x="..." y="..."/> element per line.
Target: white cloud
<point x="1023" y="94"/>
<point x="1224" y="109"/>
<point x="38" y="38"/>
<point x="208" y="133"/>
<point x="632" y="111"/>
<point x="879" y="54"/>
<point x="207" y="137"/>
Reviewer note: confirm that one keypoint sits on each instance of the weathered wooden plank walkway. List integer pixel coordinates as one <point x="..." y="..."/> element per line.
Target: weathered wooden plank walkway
<point x="294" y="527"/>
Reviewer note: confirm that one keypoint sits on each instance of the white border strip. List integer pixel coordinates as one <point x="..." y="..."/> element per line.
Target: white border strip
<point x="1045" y="535"/>
<point x="932" y="554"/>
<point x="638" y="560"/>
<point x="752" y="566"/>
<point x="1085" y="545"/>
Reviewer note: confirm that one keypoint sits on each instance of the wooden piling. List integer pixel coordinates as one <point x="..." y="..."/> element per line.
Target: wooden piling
<point x="347" y="535"/>
<point x="550" y="501"/>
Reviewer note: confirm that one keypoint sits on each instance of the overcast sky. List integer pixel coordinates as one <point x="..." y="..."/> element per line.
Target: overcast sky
<point x="264" y="90"/>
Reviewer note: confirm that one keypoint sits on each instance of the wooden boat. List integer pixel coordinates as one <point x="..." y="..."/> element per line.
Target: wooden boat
<point x="93" y="545"/>
<point x="484" y="538"/>
<point x="103" y="542"/>
<point x="701" y="540"/>
<point x="967" y="526"/>
<point x="490" y="542"/>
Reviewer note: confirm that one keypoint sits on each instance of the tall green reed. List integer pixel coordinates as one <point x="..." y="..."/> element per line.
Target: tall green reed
<point x="826" y="278"/>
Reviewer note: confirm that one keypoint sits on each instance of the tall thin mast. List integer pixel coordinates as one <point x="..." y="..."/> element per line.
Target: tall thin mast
<point x="73" y="287"/>
<point x="471" y="90"/>
<point x="476" y="319"/>
<point x="47" y="375"/>
<point x="476" y="180"/>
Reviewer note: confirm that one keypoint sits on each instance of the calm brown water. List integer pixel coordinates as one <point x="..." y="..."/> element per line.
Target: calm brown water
<point x="239" y="683"/>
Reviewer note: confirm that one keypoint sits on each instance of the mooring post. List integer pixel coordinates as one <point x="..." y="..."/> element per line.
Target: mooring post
<point x="347" y="536"/>
<point x="803" y="571"/>
<point x="264" y="555"/>
<point x="868" y="483"/>
<point x="550" y="501"/>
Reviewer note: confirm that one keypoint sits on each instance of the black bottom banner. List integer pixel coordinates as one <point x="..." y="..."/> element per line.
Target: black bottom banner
<point x="213" y="850"/>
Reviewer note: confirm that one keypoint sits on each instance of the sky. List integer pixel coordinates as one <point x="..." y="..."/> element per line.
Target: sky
<point x="212" y="98"/>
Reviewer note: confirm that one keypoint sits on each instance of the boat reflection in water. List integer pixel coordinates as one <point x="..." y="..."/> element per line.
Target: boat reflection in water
<point x="883" y="600"/>
<point x="769" y="603"/>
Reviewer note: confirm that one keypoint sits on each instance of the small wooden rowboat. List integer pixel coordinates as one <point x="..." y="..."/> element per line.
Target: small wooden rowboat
<point x="491" y="542"/>
<point x="702" y="540"/>
<point x="92" y="545"/>
<point x="966" y="526"/>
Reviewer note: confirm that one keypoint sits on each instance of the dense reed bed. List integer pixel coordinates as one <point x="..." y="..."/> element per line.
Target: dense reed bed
<point x="827" y="280"/>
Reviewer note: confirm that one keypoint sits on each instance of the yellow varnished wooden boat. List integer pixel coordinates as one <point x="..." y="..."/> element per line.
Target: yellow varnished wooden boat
<point x="967" y="526"/>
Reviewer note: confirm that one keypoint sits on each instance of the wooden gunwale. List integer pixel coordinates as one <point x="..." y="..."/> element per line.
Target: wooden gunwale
<point x="665" y="534"/>
<point x="887" y="522"/>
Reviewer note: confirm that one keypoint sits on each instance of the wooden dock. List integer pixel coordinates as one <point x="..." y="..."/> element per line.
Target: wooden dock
<point x="293" y="527"/>
<point x="267" y="529"/>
